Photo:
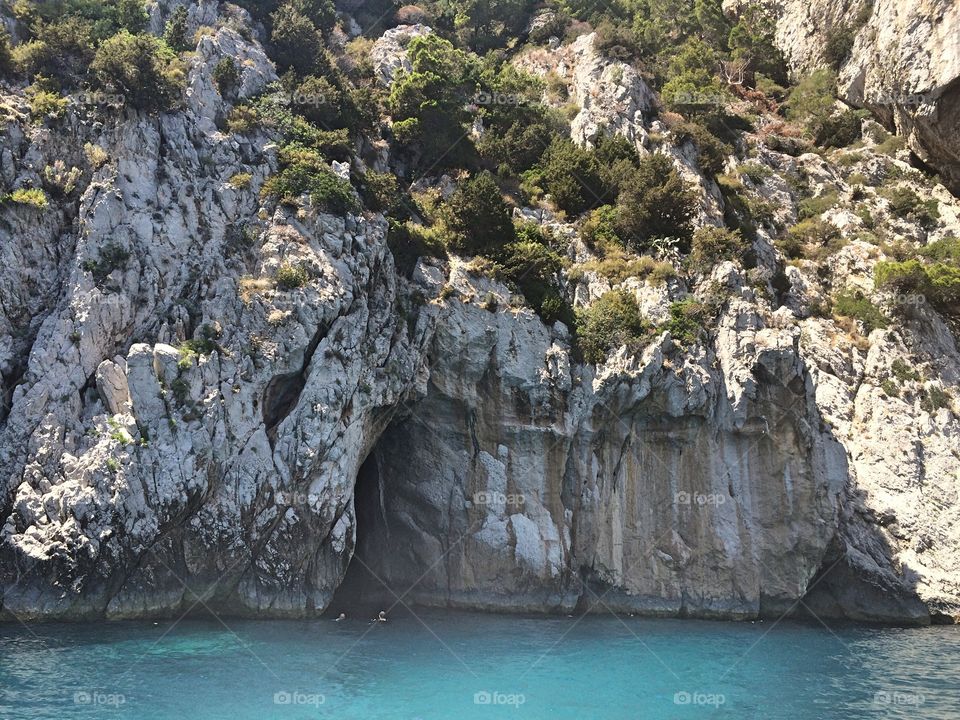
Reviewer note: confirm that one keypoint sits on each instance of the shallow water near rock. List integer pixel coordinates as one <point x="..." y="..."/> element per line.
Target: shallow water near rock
<point x="446" y="665"/>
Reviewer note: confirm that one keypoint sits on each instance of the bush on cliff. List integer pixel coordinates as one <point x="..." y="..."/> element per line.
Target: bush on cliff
<point x="611" y="322"/>
<point x="427" y="104"/>
<point x="478" y="217"/>
<point x="141" y="68"/>
<point x="305" y="171"/>
<point x="655" y="202"/>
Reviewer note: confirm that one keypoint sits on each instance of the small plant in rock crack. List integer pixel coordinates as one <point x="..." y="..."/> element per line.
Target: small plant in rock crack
<point x="190" y="350"/>
<point x="118" y="433"/>
<point x="890" y="388"/>
<point x="181" y="391"/>
<point x="903" y="372"/>
<point x="934" y="398"/>
<point x="111" y="257"/>
<point x="226" y="76"/>
<point x="240" y="181"/>
<point x="292" y="276"/>
<point x="31" y="197"/>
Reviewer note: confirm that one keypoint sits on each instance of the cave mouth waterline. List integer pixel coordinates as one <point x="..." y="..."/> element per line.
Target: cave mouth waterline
<point x="362" y="592"/>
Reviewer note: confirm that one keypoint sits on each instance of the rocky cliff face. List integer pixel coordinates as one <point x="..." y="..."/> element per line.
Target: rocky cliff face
<point x="178" y="432"/>
<point x="904" y="66"/>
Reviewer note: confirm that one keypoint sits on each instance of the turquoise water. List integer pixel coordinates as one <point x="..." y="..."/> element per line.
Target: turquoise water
<point x="464" y="666"/>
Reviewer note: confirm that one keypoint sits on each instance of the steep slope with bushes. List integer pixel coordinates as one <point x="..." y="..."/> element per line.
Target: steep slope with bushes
<point x="521" y="307"/>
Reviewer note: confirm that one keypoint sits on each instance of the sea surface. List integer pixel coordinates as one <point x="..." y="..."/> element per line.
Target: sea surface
<point x="457" y="666"/>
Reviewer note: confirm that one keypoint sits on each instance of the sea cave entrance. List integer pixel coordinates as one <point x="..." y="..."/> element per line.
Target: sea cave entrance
<point x="363" y="592"/>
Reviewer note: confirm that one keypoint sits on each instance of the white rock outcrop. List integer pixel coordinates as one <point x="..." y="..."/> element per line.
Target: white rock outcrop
<point x="178" y="429"/>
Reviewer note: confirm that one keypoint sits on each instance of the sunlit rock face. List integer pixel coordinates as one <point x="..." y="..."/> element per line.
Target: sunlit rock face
<point x="904" y="66"/>
<point x="179" y="432"/>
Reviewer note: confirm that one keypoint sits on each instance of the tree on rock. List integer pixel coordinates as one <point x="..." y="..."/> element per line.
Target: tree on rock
<point x="478" y="216"/>
<point x="655" y="202"/>
<point x="142" y="68"/>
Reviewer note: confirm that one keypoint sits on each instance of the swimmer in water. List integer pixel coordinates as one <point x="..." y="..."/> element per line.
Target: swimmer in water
<point x="381" y="617"/>
<point x="343" y="616"/>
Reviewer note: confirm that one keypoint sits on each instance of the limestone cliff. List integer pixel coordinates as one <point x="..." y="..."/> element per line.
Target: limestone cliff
<point x="903" y="65"/>
<point x="178" y="431"/>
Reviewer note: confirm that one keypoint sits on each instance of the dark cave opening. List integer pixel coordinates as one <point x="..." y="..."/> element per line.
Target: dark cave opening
<point x="362" y="592"/>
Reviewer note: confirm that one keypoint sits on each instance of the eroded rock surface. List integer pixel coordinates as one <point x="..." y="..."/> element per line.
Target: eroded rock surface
<point x="904" y="66"/>
<point x="177" y="431"/>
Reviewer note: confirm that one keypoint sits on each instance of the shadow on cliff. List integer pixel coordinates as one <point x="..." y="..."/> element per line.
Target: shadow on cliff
<point x="860" y="578"/>
<point x="362" y="592"/>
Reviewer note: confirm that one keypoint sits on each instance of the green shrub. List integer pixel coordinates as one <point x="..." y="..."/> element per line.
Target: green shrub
<point x="755" y="171"/>
<point x="382" y="193"/>
<point x="853" y="304"/>
<point x="946" y="250"/>
<point x="903" y="372"/>
<point x="737" y="206"/>
<point x="240" y="181"/>
<point x="6" y="54"/>
<point x="611" y="322"/>
<point x="322" y="102"/>
<point x="533" y="267"/>
<point x="291" y="277"/>
<point x="243" y="119"/>
<point x="616" y="42"/>
<point x="226" y="76"/>
<point x="131" y="15"/>
<point x="427" y="105"/>
<point x="573" y="177"/>
<point x="838" y="44"/>
<point x="693" y="86"/>
<point x="61" y="180"/>
<point x="141" y="68"/>
<point x="32" y="197"/>
<point x="712" y="245"/>
<point x="812" y="102"/>
<point x="839" y="129"/>
<point x="478" y="217"/>
<point x="688" y="320"/>
<point x="61" y="48"/>
<point x="304" y="170"/>
<point x="408" y="242"/>
<point x="45" y="100"/>
<point x="175" y="34"/>
<point x="110" y="257"/>
<point x="296" y="41"/>
<point x="655" y="202"/>
<point x="812" y="238"/>
<point x="934" y="398"/>
<point x="813" y="96"/>
<point x="816" y="206"/>
<point x="711" y="152"/>
<point x="599" y="228"/>
<point x="890" y="388"/>
<point x="752" y="38"/>
<point x="907" y="205"/>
